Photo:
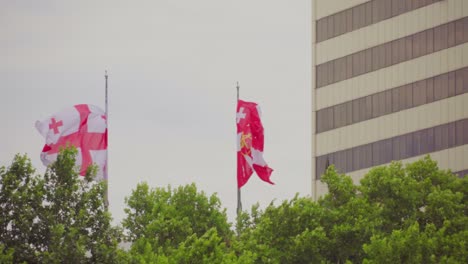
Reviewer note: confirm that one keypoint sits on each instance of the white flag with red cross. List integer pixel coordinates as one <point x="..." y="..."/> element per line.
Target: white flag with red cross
<point x="82" y="126"/>
<point x="250" y="144"/>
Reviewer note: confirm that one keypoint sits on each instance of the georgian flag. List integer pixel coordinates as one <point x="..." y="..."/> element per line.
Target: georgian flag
<point x="250" y="144"/>
<point x="82" y="126"/>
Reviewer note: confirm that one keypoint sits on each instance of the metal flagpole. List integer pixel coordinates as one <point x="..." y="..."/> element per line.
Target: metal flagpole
<point x="239" y="203"/>
<point x="107" y="151"/>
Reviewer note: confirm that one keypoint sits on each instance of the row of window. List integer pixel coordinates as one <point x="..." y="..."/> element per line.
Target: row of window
<point x="462" y="173"/>
<point x="390" y="53"/>
<point x="364" y="15"/>
<point x="393" y="100"/>
<point x="397" y="148"/>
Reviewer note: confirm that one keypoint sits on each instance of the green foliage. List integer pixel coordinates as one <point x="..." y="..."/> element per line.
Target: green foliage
<point x="398" y="214"/>
<point x="424" y="214"/>
<point x="176" y="224"/>
<point x="57" y="218"/>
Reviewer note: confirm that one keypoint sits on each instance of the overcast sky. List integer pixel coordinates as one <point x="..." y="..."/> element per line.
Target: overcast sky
<point x="173" y="67"/>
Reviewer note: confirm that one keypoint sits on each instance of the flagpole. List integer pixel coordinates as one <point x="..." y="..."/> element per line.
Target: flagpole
<point x="107" y="151"/>
<point x="239" y="203"/>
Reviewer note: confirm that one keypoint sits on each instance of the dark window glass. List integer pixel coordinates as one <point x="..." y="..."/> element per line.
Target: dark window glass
<point x="419" y="93"/>
<point x="356" y="158"/>
<point x="396" y="148"/>
<point x="440" y="87"/>
<point x="378" y="57"/>
<point x="430" y="41"/>
<point x="451" y="34"/>
<point x="465" y="131"/>
<point x="382" y="103"/>
<point x="339" y="112"/>
<point x="406" y="96"/>
<point x="398" y="7"/>
<point x="324" y="119"/>
<point x="409" y="47"/>
<point x="440" y="137"/>
<point x="459" y="82"/>
<point x="340" y="23"/>
<point x="382" y="152"/>
<point x="359" y="63"/>
<point x="330" y="27"/>
<point x="357" y="104"/>
<point x="451" y="135"/>
<point x="419" y="44"/>
<point x="430" y="139"/>
<point x="368" y="60"/>
<point x="320" y="166"/>
<point x="367" y="108"/>
<point x="368" y="13"/>
<point x="427" y="141"/>
<point x="381" y="9"/>
<point x="349" y="160"/>
<point x="459" y="133"/>
<point x="349" y="19"/>
<point x="321" y="30"/>
<point x="376" y="105"/>
<point x="419" y="3"/>
<point x="396" y="104"/>
<point x="339" y="69"/>
<point x="366" y="151"/>
<point x="417" y="143"/>
<point x="349" y="113"/>
<point x="387" y="109"/>
<point x="465" y="80"/>
<point x="359" y="18"/>
<point x="340" y="161"/>
<point x="409" y="145"/>
<point x="441" y="37"/>
<point x="430" y="90"/>
<point x="451" y="84"/>
<point x="377" y="153"/>
<point x="321" y="75"/>
<point x="398" y="50"/>
<point x="388" y="54"/>
<point x="387" y="148"/>
<point x="459" y="32"/>
<point x="330" y="72"/>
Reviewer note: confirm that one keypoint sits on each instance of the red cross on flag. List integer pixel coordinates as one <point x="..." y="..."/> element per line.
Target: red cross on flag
<point x="250" y="144"/>
<point x="82" y="126"/>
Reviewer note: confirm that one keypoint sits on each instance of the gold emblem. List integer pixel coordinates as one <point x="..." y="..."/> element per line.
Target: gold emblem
<point x="245" y="143"/>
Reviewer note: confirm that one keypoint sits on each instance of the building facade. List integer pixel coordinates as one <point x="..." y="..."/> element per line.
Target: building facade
<point x="390" y="82"/>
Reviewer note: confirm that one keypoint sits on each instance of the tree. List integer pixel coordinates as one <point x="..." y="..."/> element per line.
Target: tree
<point x="55" y="218"/>
<point x="424" y="214"/>
<point x="398" y="214"/>
<point x="167" y="225"/>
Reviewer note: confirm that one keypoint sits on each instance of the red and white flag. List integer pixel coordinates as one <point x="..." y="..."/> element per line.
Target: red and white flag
<point x="82" y="126"/>
<point x="250" y="144"/>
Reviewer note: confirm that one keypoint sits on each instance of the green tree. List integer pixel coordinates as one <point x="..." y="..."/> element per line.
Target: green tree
<point x="398" y="214"/>
<point x="55" y="218"/>
<point x="166" y="224"/>
<point x="424" y="214"/>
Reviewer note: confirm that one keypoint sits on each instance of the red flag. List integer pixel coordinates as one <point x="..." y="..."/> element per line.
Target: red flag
<point x="250" y="144"/>
<point x="82" y="126"/>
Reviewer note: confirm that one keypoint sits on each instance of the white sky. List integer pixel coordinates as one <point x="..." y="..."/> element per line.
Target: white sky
<point x="173" y="66"/>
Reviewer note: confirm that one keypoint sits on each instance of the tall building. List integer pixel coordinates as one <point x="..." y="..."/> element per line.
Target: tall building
<point x="390" y="82"/>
